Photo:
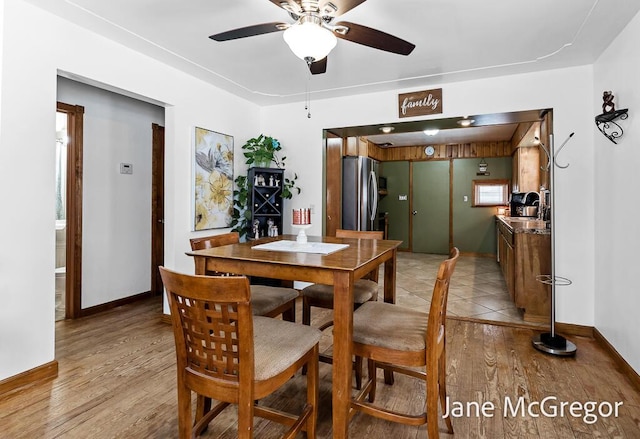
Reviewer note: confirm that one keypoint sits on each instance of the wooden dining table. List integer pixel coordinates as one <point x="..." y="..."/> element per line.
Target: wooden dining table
<point x="340" y="268"/>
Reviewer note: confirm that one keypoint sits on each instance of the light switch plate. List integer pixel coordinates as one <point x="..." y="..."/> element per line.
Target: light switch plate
<point x="402" y="198"/>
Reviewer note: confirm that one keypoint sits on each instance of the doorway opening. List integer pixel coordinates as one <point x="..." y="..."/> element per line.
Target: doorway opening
<point x="109" y="222"/>
<point x="427" y="200"/>
<point x="61" y="213"/>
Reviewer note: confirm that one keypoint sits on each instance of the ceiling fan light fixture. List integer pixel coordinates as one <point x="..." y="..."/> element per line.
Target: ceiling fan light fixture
<point x="310" y="41"/>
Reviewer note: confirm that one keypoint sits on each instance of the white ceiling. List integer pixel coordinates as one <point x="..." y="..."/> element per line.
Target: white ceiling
<point x="455" y="40"/>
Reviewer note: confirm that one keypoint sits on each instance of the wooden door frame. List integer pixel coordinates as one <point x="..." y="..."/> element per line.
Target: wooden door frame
<point x="157" y="207"/>
<point x="73" y="261"/>
<point x="333" y="147"/>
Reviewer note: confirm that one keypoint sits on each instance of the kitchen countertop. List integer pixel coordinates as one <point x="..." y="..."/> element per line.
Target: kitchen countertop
<point x="525" y="225"/>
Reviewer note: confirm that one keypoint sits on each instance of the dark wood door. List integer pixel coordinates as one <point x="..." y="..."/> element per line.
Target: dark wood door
<point x="157" y="208"/>
<point x="75" y="133"/>
<point x="333" y="179"/>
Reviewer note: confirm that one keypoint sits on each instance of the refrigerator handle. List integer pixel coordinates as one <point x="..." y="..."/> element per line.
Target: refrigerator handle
<point x="373" y="183"/>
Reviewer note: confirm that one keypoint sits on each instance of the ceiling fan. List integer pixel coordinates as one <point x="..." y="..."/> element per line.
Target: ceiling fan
<point x="313" y="35"/>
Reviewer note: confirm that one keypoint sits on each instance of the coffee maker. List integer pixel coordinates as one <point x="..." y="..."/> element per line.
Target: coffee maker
<point x="524" y="204"/>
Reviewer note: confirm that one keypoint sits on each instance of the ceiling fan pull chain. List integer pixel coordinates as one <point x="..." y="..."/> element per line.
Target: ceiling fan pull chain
<point x="307" y="103"/>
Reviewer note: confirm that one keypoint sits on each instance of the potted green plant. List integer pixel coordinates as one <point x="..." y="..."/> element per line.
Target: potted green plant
<point x="259" y="151"/>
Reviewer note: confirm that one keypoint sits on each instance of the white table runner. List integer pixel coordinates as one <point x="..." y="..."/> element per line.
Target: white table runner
<point x="323" y="248"/>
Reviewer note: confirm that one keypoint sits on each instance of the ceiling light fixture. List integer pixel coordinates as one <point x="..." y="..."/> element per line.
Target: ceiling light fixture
<point x="466" y="121"/>
<point x="431" y="132"/>
<point x="387" y="129"/>
<point x="308" y="40"/>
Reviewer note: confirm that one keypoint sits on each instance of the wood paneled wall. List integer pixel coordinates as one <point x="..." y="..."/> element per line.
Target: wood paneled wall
<point x="524" y="136"/>
<point x="442" y="152"/>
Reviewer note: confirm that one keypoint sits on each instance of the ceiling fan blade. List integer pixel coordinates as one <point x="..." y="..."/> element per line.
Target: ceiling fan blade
<point x="367" y="36"/>
<point x="319" y="66"/>
<point x="249" y="31"/>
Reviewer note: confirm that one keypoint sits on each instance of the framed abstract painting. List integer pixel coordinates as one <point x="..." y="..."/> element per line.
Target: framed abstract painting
<point x="213" y="179"/>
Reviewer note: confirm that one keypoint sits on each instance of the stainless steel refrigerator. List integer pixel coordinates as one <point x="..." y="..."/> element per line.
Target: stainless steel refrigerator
<point x="359" y="193"/>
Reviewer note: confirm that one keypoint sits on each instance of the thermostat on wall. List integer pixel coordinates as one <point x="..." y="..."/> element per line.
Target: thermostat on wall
<point x="126" y="168"/>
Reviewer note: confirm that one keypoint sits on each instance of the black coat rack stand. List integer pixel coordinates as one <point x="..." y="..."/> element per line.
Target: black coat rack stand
<point x="551" y="342"/>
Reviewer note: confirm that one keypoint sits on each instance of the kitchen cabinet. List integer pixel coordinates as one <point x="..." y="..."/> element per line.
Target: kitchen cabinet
<point x="524" y="252"/>
<point x="505" y="256"/>
<point x="265" y="194"/>
<point x="526" y="157"/>
<point x="526" y="169"/>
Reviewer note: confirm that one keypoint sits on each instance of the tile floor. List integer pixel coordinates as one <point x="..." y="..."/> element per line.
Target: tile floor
<point x="477" y="289"/>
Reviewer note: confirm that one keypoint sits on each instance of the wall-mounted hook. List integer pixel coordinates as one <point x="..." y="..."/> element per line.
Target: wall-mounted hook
<point x="544" y="148"/>
<point x="555" y="156"/>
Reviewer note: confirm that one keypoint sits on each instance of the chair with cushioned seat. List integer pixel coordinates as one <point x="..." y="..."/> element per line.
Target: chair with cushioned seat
<point x="266" y="300"/>
<point x="321" y="296"/>
<point x="225" y="353"/>
<point x="410" y="342"/>
<point x="364" y="289"/>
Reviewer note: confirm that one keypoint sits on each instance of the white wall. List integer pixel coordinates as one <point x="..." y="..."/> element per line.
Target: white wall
<point x="617" y="180"/>
<point x="31" y="58"/>
<point x="567" y="91"/>
<point x="1" y="51"/>
<point x="116" y="234"/>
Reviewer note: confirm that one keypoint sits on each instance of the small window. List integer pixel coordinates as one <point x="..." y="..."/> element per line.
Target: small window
<point x="490" y="192"/>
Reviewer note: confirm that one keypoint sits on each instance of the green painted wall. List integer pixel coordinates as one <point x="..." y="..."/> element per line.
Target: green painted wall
<point x="397" y="174"/>
<point x="474" y="228"/>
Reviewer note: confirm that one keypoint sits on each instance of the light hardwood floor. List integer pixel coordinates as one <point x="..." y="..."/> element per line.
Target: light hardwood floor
<point x="117" y="380"/>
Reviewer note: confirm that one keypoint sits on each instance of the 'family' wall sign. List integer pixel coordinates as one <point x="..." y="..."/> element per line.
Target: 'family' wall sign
<point x="420" y="103"/>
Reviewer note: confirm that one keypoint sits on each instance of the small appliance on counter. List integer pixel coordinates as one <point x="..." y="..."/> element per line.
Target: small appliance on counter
<point x="524" y="204"/>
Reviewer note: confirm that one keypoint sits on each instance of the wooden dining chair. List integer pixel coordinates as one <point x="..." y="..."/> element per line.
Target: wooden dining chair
<point x="225" y="353"/>
<point x="400" y="339"/>
<point x="321" y="296"/>
<point x="268" y="301"/>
